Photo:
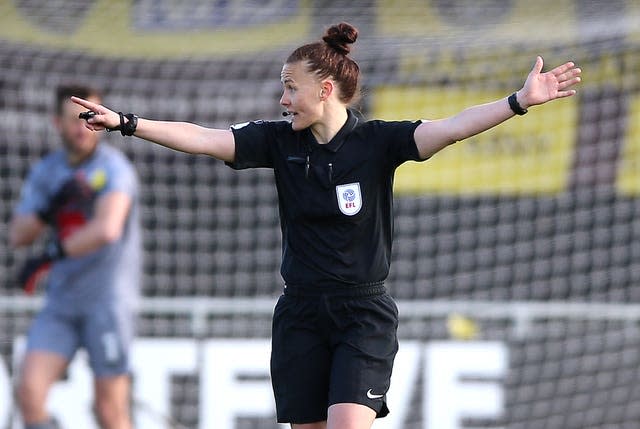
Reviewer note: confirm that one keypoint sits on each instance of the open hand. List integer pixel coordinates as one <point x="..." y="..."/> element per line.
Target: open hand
<point x="542" y="87"/>
<point x="103" y="118"/>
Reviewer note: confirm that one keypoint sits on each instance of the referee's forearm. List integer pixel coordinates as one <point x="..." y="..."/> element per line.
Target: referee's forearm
<point x="188" y="137"/>
<point x="479" y="118"/>
<point x="433" y="136"/>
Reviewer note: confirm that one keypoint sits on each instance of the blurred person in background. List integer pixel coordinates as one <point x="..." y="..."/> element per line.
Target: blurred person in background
<point x="334" y="334"/>
<point x="82" y="199"/>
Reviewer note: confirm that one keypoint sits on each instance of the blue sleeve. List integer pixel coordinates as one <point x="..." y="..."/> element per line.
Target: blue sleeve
<point x="121" y="177"/>
<point x="35" y="192"/>
<point x="253" y="145"/>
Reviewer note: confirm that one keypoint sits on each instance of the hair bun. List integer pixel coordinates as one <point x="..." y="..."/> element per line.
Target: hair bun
<point x="340" y="36"/>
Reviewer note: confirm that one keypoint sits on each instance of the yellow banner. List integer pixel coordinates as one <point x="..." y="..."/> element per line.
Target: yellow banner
<point x="108" y="28"/>
<point x="629" y="169"/>
<point x="530" y="154"/>
<point x="515" y="20"/>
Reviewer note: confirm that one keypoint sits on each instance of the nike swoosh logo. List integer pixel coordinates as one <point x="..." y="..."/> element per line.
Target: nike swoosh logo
<point x="370" y="395"/>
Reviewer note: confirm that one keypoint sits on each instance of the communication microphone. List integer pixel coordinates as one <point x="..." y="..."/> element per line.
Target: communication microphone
<point x="285" y="113"/>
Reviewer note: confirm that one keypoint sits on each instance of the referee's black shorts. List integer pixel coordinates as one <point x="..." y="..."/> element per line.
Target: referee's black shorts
<point x="331" y="348"/>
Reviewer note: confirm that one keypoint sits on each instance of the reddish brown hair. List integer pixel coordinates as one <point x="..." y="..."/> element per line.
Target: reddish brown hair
<point x="328" y="58"/>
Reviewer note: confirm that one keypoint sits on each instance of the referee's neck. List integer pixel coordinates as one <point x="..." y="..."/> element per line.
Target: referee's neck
<point x="327" y="128"/>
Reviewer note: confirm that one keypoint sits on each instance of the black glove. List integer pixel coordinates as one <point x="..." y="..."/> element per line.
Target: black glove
<point x="36" y="268"/>
<point x="76" y="190"/>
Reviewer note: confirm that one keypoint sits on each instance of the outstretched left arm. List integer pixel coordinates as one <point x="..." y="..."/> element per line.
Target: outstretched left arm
<point x="432" y="136"/>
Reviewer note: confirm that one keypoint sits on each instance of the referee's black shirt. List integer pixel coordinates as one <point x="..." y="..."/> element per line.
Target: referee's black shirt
<point x="336" y="202"/>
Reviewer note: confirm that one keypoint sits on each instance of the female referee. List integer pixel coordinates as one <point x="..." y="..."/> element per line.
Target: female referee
<point x="334" y="328"/>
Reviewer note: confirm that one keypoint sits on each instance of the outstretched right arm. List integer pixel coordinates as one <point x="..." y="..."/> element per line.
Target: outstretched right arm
<point x="182" y="136"/>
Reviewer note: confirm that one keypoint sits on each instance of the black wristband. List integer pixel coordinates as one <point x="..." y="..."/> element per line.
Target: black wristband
<point x="128" y="128"/>
<point x="515" y="106"/>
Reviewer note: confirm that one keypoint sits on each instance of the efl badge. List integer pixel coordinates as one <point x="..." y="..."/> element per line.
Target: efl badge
<point x="349" y="198"/>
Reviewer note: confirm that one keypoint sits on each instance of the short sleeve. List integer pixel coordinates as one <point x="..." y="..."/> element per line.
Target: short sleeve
<point x="34" y="195"/>
<point x="120" y="176"/>
<point x="253" y="145"/>
<point x="401" y="141"/>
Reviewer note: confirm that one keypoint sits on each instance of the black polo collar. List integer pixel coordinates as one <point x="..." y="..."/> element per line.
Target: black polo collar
<point x="338" y="140"/>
